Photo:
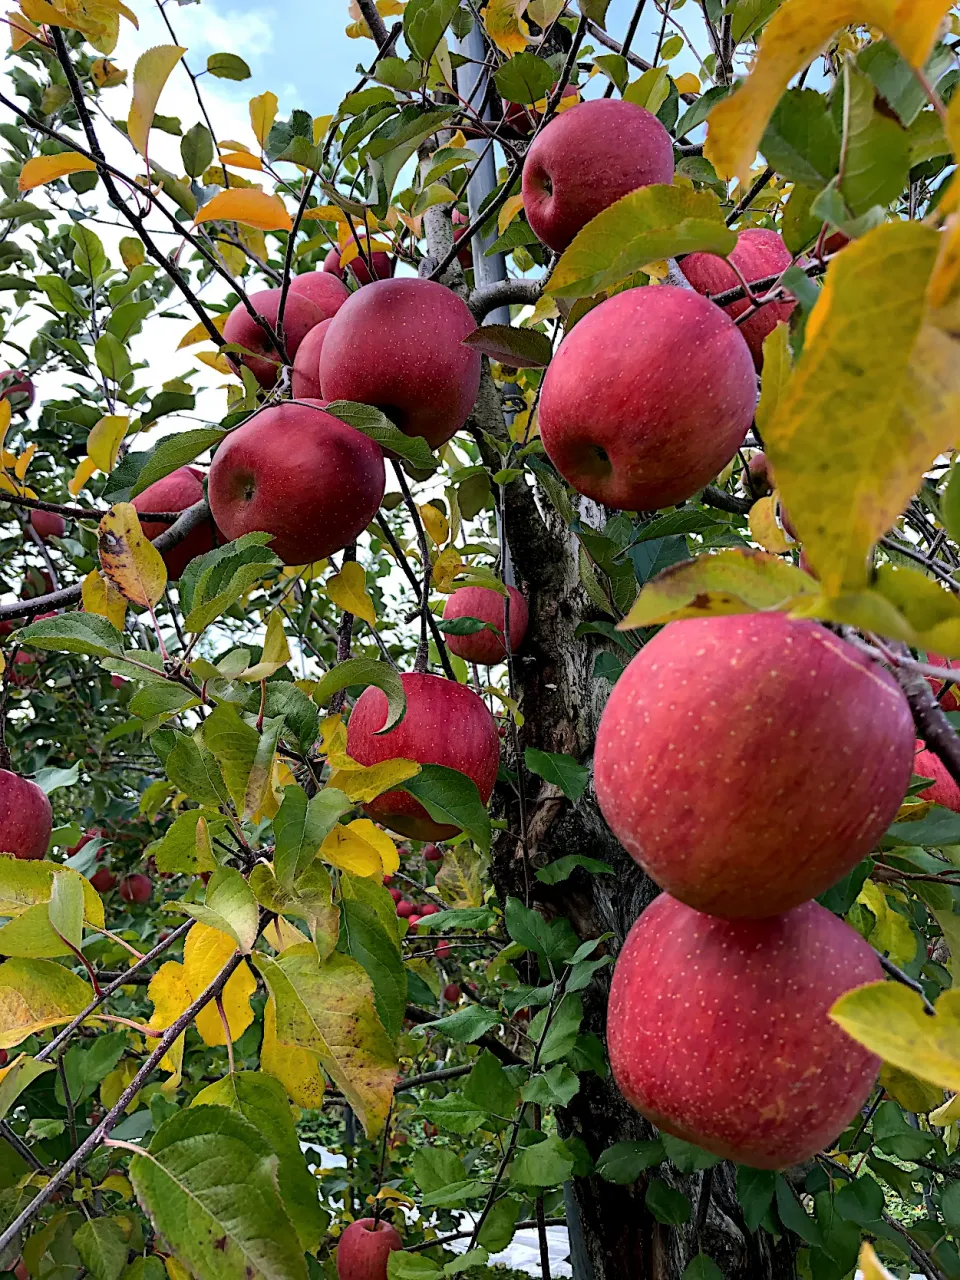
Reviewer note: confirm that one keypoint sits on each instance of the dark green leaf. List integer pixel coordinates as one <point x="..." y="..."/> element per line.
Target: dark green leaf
<point x="562" y="770"/>
<point x="545" y="1164"/>
<point x="424" y="22"/>
<point x="376" y="425"/>
<point x="553" y="939"/>
<point x="196" y="150"/>
<point x="563" y="868"/>
<point x="525" y="78"/>
<point x="74" y="633"/>
<point x="685" y="1156"/>
<point x="669" y="1206"/>
<point x="801" y="141"/>
<point x="755" y="1188"/>
<point x="227" y="66"/>
<point x="451" y="797"/>
<point x="366" y="671"/>
<point x="513" y="347"/>
<point x="139" y="470"/>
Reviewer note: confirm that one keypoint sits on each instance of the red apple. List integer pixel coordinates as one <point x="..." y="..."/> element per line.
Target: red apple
<point x="524" y="119"/>
<point x="835" y="242"/>
<point x="943" y="790"/>
<point x="381" y="262"/>
<point x="91" y="833"/>
<point x="16" y="387"/>
<point x="758" y="253"/>
<point x="23" y="658"/>
<point x="306" y="367"/>
<point x="299" y="317"/>
<point x="451" y="993"/>
<point x="413" y="921"/>
<point x="760" y="470"/>
<point x="363" y="1249"/>
<point x="299" y="474"/>
<point x="585" y="160"/>
<point x="397" y="344"/>
<point x="647" y="398"/>
<point x="431" y="853"/>
<point x="396" y="895"/>
<point x="176" y="492"/>
<point x="26" y="818"/>
<point x="447" y="724"/>
<point x="405" y="909"/>
<point x="117" y="681"/>
<point x="460" y="223"/>
<point x="442" y="949"/>
<point x="324" y="290"/>
<point x="486" y="647"/>
<point x="103" y="880"/>
<point x="431" y="909"/>
<point x="749" y="762"/>
<point x="950" y="701"/>
<point x="718" y="1030"/>
<point x="136" y="888"/>
<point x="47" y="524"/>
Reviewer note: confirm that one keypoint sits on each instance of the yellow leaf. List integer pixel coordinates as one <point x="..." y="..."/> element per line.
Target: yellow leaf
<point x="890" y="1020"/>
<point x="263" y="112"/>
<point x="242" y="160"/>
<point x="218" y="362"/>
<point x="281" y="934"/>
<point x="298" y="1070"/>
<point x="106" y="75"/>
<point x="276" y="651"/>
<point x="170" y="996"/>
<point x="198" y="332"/>
<point x="794" y="36"/>
<point x="85" y="469"/>
<point x="912" y="1094"/>
<point x="117" y="1183"/>
<point x="131" y="563"/>
<point x="505" y="26"/>
<point x="35" y="994"/>
<point x="361" y="784"/>
<point x="945" y="1114"/>
<point x="23" y="462"/>
<point x="384" y="846"/>
<point x="254" y="208"/>
<point x="687" y="83"/>
<point x="351" y="249"/>
<point x="205" y="953"/>
<point x="871" y="403"/>
<point x="101" y="598"/>
<point x="333" y="742"/>
<point x="22" y="30"/>
<point x="176" y="1270"/>
<point x="435" y="523"/>
<point x="732" y="581"/>
<point x="870" y="1265"/>
<point x="43" y="169"/>
<point x="446" y="567"/>
<point x="103" y="442"/>
<point x="114" y="1083"/>
<point x="5" y="415"/>
<point x="132" y="252"/>
<point x="764" y="528"/>
<point x="348" y="591"/>
<point x="360" y="848"/>
<point x="150" y="74"/>
<point x="320" y="126"/>
<point x="511" y="208"/>
<point x="777" y="368"/>
<point x="460" y="879"/>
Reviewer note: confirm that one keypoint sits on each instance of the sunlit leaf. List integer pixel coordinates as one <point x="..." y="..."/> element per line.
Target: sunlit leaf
<point x="43" y="169"/>
<point x="150" y="74"/>
<point x="253" y="208"/>
<point x="129" y="561"/>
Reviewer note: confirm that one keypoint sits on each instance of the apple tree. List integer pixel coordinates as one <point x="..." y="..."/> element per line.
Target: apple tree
<point x="478" y="744"/>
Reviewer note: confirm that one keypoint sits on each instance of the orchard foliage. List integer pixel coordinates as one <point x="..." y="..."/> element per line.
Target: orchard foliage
<point x="223" y="955"/>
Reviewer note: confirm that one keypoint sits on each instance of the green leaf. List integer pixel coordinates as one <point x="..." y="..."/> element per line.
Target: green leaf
<point x="488" y="1086"/>
<point x="228" y="66"/>
<point x="595" y="10"/>
<point x="474" y="918"/>
<point x="213" y="582"/>
<point x="366" y="671"/>
<point x="196" y="149"/>
<point x="52" y="779"/>
<point x="876" y="151"/>
<point x="74" y="633"/>
<point x="553" y="939"/>
<point x="364" y="936"/>
<point x="111" y="357"/>
<point x="19" y="1076"/>
<point x="102" y="1246"/>
<point x="701" y="1268"/>
<point x="685" y="1156"/>
<point x="648" y="224"/>
<point x="545" y="1164"/>
<point x="177" y="852"/>
<point x="411" y="1266"/>
<point x="192" y="768"/>
<point x="300" y="828"/>
<point x="207" y="1185"/>
<point x="66" y="909"/>
<point x="230" y="906"/>
<point x="624" y="1162"/>
<point x="424" y="22"/>
<point x="466" y="1261"/>
<point x="261" y="771"/>
<point x="88" y="255"/>
<point x="564" y="867"/>
<point x="513" y="347"/>
<point x="755" y="1189"/>
<point x="466" y="1025"/>
<point x="262" y="1101"/>
<point x="801" y="141"/>
<point x="793" y="1215"/>
<point x="669" y="1206"/>
<point x="562" y="770"/>
<point x="525" y="78"/>
<point x="554" y="1088"/>
<point x="500" y="1225"/>
<point x="161" y="700"/>
<point x="698" y="111"/>
<point x="436" y="1167"/>
<point x="138" y="471"/>
<point x="376" y="425"/>
<point x="451" y="797"/>
<point x="234" y="744"/>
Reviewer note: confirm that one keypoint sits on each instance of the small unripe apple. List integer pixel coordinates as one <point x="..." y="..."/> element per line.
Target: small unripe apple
<point x="179" y="490"/>
<point x="405" y="908"/>
<point x="305" y="382"/>
<point x="26" y="819"/>
<point x="749" y="762"/>
<point x="486" y="647"/>
<point x="718" y="1030"/>
<point x="451" y="993"/>
<point x="103" y="880"/>
<point x="364" y="1248"/>
<point x="432" y="853"/>
<point x="18" y="389"/>
<point x="48" y="524"/>
<point x="299" y="317"/>
<point x="943" y="790"/>
<point x="136" y="888"/>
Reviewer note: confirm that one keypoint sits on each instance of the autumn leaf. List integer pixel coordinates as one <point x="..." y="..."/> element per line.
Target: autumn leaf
<point x="764" y="528"/>
<point x="253" y="208"/>
<point x="360" y="848"/>
<point x="435" y="523"/>
<point x="198" y="332"/>
<point x="102" y="598"/>
<point x="298" y="1070"/>
<point x="263" y="112"/>
<point x="103" y="442"/>
<point x="348" y="591"/>
<point x="503" y="20"/>
<point x="35" y="994"/>
<point x="150" y="74"/>
<point x="242" y="160"/>
<point x="890" y="1020"/>
<point x="42" y="169"/>
<point x="129" y="561"/>
<point x="276" y="651"/>
<point x="363" y="783"/>
<point x="205" y="953"/>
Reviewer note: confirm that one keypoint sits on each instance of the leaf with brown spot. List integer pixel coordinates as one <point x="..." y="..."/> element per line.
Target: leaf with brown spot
<point x="128" y="559"/>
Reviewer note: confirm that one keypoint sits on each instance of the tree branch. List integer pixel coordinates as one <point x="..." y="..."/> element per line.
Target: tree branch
<point x="502" y="293"/>
<point x="929" y="717"/>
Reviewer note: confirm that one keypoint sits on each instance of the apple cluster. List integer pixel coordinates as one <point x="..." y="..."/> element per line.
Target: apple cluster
<point x="747" y="763"/>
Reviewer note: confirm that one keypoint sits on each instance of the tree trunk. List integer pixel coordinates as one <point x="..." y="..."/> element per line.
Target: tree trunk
<point x="561" y="704"/>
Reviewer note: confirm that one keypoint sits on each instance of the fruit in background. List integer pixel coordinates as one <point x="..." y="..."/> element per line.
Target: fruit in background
<point x="524" y="119"/>
<point x="305" y="382"/>
<point x="405" y="909"/>
<point x="442" y="949"/>
<point x="25" y="665"/>
<point x="397" y="344"/>
<point x="647" y="398"/>
<point x="37" y="583"/>
<point x="951" y="699"/>
<point x="26" y="818"/>
<point x="103" y="880"/>
<point x="299" y="474"/>
<point x="299" y="317"/>
<point x="176" y="492"/>
<point x="14" y="385"/>
<point x="396" y="895"/>
<point x="47" y="524"/>
<point x="758" y="253"/>
<point x="835" y="242"/>
<point x="761" y="477"/>
<point x="327" y="292"/>
<point x="413" y="921"/>
<point x="718" y="1029"/>
<point x="486" y="647"/>
<point x="446" y="724"/>
<point x="136" y="888"/>
<point x="431" y="853"/>
<point x="585" y="160"/>
<point x="382" y="263"/>
<point x="943" y="790"/>
<point x="91" y="833"/>
<point x="364" y="1248"/>
<point x="460" y="223"/>
<point x="451" y="993"/>
<point x="117" y="681"/>
<point x="749" y="762"/>
<point x="431" y="909"/>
